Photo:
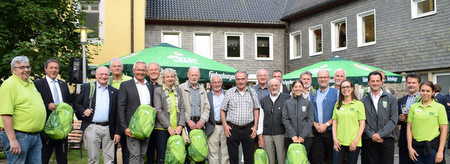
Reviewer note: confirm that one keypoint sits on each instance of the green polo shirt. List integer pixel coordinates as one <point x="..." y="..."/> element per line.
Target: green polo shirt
<point x="426" y="120"/>
<point x="116" y="84"/>
<point x="24" y="103"/>
<point x="348" y="117"/>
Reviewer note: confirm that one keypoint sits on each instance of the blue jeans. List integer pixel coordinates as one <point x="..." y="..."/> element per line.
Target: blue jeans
<point x="338" y="157"/>
<point x="30" y="145"/>
<point x="422" y="158"/>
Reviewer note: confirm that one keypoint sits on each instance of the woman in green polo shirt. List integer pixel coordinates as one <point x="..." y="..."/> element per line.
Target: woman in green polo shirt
<point x="426" y="130"/>
<point x="348" y="125"/>
<point x="169" y="104"/>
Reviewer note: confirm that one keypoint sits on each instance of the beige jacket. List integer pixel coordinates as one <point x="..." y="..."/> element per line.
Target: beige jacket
<point x="186" y="96"/>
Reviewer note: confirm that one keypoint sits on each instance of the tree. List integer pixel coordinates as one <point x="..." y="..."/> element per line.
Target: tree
<point x="40" y="30"/>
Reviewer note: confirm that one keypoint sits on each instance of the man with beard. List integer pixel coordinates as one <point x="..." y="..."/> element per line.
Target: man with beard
<point x="308" y="90"/>
<point x="271" y="128"/>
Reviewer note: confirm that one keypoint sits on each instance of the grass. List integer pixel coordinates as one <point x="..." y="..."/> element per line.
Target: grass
<point x="73" y="157"/>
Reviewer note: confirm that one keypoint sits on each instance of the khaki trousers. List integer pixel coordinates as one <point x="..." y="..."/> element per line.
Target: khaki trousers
<point x="94" y="135"/>
<point x="216" y="140"/>
<point x="275" y="144"/>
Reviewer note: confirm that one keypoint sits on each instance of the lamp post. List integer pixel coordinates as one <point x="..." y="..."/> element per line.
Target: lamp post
<point x="83" y="39"/>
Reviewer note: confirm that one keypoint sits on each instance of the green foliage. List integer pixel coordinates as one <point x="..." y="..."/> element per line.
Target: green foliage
<point x="41" y="30"/>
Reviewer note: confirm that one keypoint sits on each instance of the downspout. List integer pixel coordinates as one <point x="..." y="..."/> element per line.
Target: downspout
<point x="132" y="26"/>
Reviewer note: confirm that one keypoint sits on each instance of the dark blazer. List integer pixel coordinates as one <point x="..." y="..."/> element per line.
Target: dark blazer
<point x="402" y="137"/>
<point x="210" y="125"/>
<point x="440" y="98"/>
<point x="128" y="102"/>
<point x="285" y="89"/>
<point x="82" y="103"/>
<point x="46" y="93"/>
<point x="447" y="107"/>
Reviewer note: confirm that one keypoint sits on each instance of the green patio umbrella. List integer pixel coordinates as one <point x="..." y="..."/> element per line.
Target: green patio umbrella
<point x="356" y="72"/>
<point x="169" y="56"/>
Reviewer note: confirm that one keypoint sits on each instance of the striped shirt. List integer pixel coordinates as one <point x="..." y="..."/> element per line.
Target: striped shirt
<point x="239" y="106"/>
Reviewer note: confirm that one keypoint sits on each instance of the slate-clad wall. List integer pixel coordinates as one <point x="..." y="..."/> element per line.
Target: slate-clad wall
<point x="402" y="44"/>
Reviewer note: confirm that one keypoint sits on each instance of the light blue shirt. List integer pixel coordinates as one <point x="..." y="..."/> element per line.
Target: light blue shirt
<point x="217" y="101"/>
<point x="411" y="99"/>
<point x="101" y="113"/>
<point x="320" y="95"/>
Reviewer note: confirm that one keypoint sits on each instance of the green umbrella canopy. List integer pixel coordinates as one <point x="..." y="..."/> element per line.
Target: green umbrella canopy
<point x="356" y="72"/>
<point x="169" y="56"/>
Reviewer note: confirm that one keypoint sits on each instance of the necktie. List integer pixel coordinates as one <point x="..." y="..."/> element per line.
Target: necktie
<point x="55" y="92"/>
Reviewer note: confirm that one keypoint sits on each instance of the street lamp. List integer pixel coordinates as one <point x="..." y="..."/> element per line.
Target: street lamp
<point x="83" y="39"/>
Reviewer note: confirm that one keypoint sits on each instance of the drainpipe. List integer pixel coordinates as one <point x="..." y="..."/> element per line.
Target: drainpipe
<point x="132" y="26"/>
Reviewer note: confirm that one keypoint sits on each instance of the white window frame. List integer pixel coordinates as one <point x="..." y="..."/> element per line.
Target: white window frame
<point x="311" y="40"/>
<point x="360" y="28"/>
<point x="210" y="56"/>
<point x="101" y="22"/>
<point x="270" y="36"/>
<point x="291" y="45"/>
<point x="334" y="34"/>
<point x="241" y="43"/>
<point x="414" y="9"/>
<point x="171" y="32"/>
<point x="440" y="74"/>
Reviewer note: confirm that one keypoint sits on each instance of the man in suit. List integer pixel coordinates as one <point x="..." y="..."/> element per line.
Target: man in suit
<point x="99" y="116"/>
<point x="132" y="94"/>
<point x="154" y="70"/>
<point x="279" y="76"/>
<point x="214" y="128"/>
<point x="53" y="91"/>
<point x="412" y="83"/>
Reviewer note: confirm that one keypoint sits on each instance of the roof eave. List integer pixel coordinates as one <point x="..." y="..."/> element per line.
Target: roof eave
<point x="261" y="24"/>
<point x="312" y="10"/>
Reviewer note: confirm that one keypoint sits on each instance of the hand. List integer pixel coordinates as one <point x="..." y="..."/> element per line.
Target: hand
<point x="116" y="138"/>
<point x="254" y="128"/>
<point x="14" y="147"/>
<point x="322" y="128"/>
<point x="88" y="112"/>
<point x="337" y="145"/>
<point x="377" y="138"/>
<point x="128" y="133"/>
<point x="402" y="117"/>
<point x="260" y="141"/>
<point x="301" y="140"/>
<point x="171" y="131"/>
<point x="413" y="154"/>
<point x="439" y="157"/>
<point x="295" y="139"/>
<point x="191" y="124"/>
<point x="179" y="129"/>
<point x="200" y="124"/>
<point x="353" y="146"/>
<point x="51" y="106"/>
<point x="227" y="129"/>
<point x="316" y="125"/>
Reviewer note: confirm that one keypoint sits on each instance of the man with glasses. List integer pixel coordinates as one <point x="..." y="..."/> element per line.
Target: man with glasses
<point x="23" y="115"/>
<point x="381" y="119"/>
<point x="53" y="91"/>
<point x="324" y="101"/>
<point x="240" y="118"/>
<point x="132" y="94"/>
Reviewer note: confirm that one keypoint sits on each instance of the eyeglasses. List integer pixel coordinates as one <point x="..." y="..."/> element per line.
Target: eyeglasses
<point x="23" y="67"/>
<point x="346" y="87"/>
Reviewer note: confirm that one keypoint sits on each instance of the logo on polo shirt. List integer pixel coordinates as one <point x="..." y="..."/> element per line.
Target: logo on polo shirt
<point x="352" y="109"/>
<point x="431" y="113"/>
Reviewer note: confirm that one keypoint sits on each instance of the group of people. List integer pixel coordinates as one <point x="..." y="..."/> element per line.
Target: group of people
<point x="330" y="122"/>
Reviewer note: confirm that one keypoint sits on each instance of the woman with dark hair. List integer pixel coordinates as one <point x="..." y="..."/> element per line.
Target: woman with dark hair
<point x="348" y="125"/>
<point x="298" y="117"/>
<point x="170" y="116"/>
<point x="426" y="130"/>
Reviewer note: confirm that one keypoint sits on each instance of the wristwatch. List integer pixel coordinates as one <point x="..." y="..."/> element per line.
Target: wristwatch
<point x="327" y="124"/>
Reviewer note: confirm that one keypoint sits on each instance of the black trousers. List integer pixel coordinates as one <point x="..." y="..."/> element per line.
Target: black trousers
<point x="48" y="145"/>
<point x="151" y="148"/>
<point x="378" y="153"/>
<point x="241" y="136"/>
<point x="403" y="155"/>
<point x="322" y="151"/>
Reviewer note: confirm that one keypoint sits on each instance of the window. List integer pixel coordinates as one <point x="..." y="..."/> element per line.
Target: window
<point x="233" y="44"/>
<point x="366" y="28"/>
<point x="315" y="40"/>
<point x="339" y="34"/>
<point x="263" y="47"/>
<point x="171" y="37"/>
<point x="295" y="47"/>
<point x="443" y="80"/>
<point x="94" y="17"/>
<point x="203" y="44"/>
<point x="421" y="8"/>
